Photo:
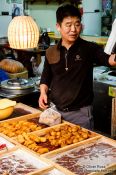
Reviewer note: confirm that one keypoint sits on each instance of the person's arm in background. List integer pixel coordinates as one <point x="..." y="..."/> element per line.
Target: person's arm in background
<point x="44" y="85"/>
<point x="112" y="60"/>
<point x="110" y="47"/>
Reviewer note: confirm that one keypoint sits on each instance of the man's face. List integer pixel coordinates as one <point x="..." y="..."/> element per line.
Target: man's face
<point x="69" y="29"/>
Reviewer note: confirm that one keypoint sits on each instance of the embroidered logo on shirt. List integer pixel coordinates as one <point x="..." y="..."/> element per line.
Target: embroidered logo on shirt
<point x="78" y="58"/>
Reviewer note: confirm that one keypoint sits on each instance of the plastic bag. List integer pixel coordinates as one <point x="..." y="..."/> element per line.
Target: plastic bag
<point x="50" y="117"/>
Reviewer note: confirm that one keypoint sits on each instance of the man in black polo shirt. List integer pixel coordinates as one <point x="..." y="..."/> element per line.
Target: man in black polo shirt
<point x="68" y="70"/>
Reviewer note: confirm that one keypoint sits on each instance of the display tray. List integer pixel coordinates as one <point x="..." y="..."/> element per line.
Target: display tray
<point x="95" y="157"/>
<point x="5" y="144"/>
<point x="22" y="162"/>
<point x="21" y="109"/>
<point x="26" y="123"/>
<point x="54" y="138"/>
<point x="16" y="126"/>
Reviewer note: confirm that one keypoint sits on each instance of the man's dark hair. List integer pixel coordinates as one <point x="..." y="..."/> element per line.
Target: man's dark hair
<point x="65" y="11"/>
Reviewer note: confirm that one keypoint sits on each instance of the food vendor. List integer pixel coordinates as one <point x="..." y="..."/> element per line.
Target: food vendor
<point x="68" y="70"/>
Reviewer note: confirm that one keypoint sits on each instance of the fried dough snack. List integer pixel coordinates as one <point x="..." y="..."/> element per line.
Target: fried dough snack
<point x="31" y="141"/>
<point x="56" y="137"/>
<point x="66" y="135"/>
<point x="15" y="128"/>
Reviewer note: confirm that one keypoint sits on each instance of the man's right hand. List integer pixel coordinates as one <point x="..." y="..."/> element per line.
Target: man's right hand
<point x="43" y="99"/>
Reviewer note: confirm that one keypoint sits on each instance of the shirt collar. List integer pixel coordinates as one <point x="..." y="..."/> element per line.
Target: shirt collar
<point x="75" y="43"/>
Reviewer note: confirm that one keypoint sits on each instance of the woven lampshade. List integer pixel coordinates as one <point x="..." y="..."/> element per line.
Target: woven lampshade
<point x="23" y="33"/>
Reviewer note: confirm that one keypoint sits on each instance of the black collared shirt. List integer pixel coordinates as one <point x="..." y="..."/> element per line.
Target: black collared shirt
<point x="71" y="78"/>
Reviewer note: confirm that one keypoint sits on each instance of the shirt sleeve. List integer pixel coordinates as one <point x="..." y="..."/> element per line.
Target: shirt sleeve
<point x="100" y="57"/>
<point x="46" y="74"/>
<point x="3" y="75"/>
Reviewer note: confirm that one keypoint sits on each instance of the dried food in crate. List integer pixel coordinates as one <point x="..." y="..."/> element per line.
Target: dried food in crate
<point x="88" y="158"/>
<point x="54" y="138"/>
<point x="21" y="162"/>
<point x="14" y="165"/>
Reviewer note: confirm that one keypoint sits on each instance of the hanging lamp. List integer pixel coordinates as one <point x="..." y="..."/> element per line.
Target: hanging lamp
<point x="23" y="33"/>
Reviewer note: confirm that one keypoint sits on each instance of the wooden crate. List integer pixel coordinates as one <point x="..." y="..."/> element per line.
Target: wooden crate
<point x="23" y="117"/>
<point x="108" y="168"/>
<point x="26" y="107"/>
<point x="35" y="115"/>
<point x="29" y="138"/>
<point x="39" y="163"/>
<point x="23" y="110"/>
<point x="51" y="167"/>
<point x="55" y="170"/>
<point x="113" y="119"/>
<point x="15" y="126"/>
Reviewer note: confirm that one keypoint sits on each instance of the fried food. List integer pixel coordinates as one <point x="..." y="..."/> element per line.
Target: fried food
<point x="15" y="128"/>
<point x="54" y="138"/>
